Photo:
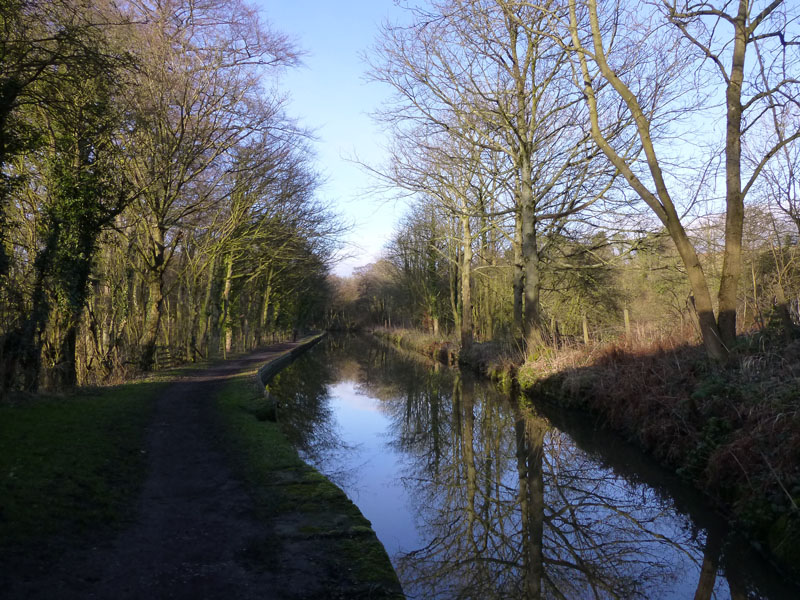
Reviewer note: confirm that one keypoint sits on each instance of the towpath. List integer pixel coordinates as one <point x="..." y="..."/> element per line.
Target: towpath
<point x="196" y="534"/>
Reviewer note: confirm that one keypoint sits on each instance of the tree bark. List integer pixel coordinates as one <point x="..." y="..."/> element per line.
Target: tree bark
<point x="530" y="257"/>
<point x="264" y="320"/>
<point x="519" y="275"/>
<point x="734" y="199"/>
<point x="225" y="317"/>
<point x="155" y="300"/>
<point x="585" y="326"/>
<point x="466" y="283"/>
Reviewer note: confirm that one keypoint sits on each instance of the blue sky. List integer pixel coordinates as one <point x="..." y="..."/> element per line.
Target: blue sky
<point x="330" y="95"/>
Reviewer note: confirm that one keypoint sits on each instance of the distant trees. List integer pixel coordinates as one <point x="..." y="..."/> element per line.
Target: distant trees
<point x="489" y="75"/>
<point x="157" y="203"/>
<point x="196" y="97"/>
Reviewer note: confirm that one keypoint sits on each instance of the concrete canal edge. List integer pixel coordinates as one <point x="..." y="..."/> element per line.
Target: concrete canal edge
<point x="320" y="545"/>
<point x="273" y="367"/>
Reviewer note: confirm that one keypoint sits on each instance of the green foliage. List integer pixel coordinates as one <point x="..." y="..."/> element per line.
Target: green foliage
<point x="784" y="537"/>
<point x="714" y="434"/>
<point x="528" y="376"/>
<point x="582" y="279"/>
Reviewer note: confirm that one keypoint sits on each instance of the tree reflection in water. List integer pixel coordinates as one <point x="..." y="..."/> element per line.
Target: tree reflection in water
<point x="506" y="504"/>
<point x="304" y="413"/>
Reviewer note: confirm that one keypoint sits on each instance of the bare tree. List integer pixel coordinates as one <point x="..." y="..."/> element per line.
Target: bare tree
<point x="197" y="98"/>
<point x="488" y="72"/>
<point x="746" y="50"/>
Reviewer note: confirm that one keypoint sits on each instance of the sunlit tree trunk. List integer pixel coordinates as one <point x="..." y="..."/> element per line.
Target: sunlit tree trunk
<point x="225" y="320"/>
<point x="519" y="274"/>
<point x="264" y="317"/>
<point x="155" y="299"/>
<point x="466" y="284"/>
<point x="530" y="256"/>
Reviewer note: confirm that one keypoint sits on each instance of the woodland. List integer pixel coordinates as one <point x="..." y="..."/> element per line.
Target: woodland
<point x="575" y="172"/>
<point x="157" y="203"/>
<point x="603" y="193"/>
<point x="582" y="170"/>
<point x="605" y="211"/>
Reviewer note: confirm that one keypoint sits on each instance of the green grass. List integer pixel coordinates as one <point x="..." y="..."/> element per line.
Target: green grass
<point x="259" y="446"/>
<point x="72" y="465"/>
<point x="282" y="483"/>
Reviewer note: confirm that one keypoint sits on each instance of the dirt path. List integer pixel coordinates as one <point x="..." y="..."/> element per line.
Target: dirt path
<point x="196" y="534"/>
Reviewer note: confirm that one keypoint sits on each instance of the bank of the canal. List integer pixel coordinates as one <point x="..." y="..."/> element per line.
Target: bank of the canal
<point x="317" y="530"/>
<point x="731" y="431"/>
<point x="180" y="487"/>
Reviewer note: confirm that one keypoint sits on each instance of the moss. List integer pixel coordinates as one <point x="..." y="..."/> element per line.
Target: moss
<point x="527" y="376"/>
<point x="367" y="558"/>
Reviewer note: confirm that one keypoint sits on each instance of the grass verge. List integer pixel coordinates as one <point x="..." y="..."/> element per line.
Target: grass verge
<point x="71" y="465"/>
<point x="301" y="504"/>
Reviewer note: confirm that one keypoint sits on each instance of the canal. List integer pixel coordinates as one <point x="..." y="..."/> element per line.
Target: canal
<point x="475" y="494"/>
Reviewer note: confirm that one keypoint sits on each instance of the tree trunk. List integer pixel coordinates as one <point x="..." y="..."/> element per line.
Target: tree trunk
<point x="519" y="275"/>
<point x="264" y="320"/>
<point x="155" y="307"/>
<point x="734" y="199"/>
<point x="454" y="295"/>
<point x="782" y="309"/>
<point x="205" y="309"/>
<point x="30" y="335"/>
<point x="554" y="331"/>
<point x="585" y="324"/>
<point x="530" y="258"/>
<point x="702" y="298"/>
<point x="466" y="283"/>
<point x="64" y="375"/>
<point x="155" y="300"/>
<point x="193" y="324"/>
<point x="225" y="324"/>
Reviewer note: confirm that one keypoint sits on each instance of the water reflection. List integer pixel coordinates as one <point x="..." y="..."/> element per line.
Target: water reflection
<point x="504" y="503"/>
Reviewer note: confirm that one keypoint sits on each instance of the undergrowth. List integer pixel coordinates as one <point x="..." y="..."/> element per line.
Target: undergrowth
<point x="732" y="430"/>
<point x="494" y="359"/>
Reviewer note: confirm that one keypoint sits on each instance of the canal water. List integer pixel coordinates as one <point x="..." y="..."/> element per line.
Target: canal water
<point x="476" y="495"/>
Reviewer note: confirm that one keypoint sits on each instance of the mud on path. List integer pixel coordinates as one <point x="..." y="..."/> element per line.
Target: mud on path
<point x="196" y="533"/>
